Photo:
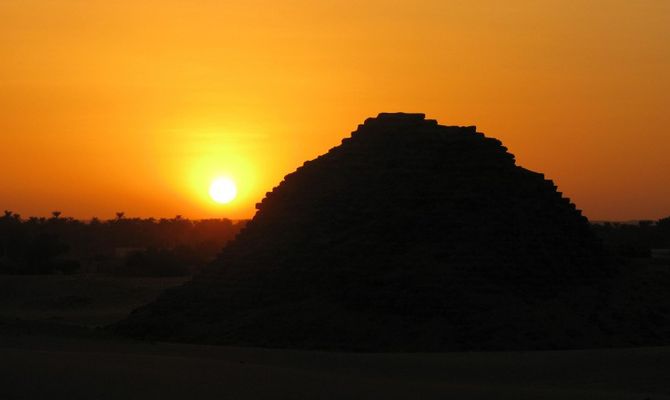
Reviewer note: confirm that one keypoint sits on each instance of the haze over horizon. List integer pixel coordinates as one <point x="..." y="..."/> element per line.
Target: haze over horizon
<point x="119" y="106"/>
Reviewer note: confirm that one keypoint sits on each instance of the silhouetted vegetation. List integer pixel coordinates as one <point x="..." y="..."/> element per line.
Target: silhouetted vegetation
<point x="178" y="246"/>
<point x="120" y="246"/>
<point x="634" y="240"/>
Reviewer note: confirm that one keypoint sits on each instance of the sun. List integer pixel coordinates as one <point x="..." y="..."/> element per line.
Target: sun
<point x="223" y="190"/>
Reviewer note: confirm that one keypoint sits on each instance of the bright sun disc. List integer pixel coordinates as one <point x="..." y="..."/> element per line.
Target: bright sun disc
<point x="223" y="190"/>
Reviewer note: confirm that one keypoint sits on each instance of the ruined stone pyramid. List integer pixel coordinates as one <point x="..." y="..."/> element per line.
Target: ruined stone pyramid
<point x="407" y="236"/>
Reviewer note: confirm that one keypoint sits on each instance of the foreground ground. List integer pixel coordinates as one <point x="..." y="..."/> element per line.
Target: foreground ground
<point x="49" y="349"/>
<point x="41" y="368"/>
<point x="82" y="299"/>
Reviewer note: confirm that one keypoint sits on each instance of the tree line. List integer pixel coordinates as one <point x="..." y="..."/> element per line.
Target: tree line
<point x="179" y="246"/>
<point x="120" y="246"/>
<point x="634" y="240"/>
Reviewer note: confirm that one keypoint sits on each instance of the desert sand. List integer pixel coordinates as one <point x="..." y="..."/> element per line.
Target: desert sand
<point x="42" y="368"/>
<point x="56" y="355"/>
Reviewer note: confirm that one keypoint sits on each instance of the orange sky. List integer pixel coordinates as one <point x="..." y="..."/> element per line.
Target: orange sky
<point x="135" y="106"/>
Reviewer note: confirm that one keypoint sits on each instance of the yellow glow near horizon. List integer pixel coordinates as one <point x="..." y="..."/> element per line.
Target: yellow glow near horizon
<point x="223" y="190"/>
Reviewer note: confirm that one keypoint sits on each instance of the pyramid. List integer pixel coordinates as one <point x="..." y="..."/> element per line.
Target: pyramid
<point x="408" y="236"/>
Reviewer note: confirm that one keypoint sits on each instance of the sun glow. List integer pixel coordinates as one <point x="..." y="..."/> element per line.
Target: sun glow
<point x="223" y="190"/>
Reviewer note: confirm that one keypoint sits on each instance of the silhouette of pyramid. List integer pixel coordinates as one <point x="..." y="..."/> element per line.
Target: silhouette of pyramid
<point x="407" y="236"/>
